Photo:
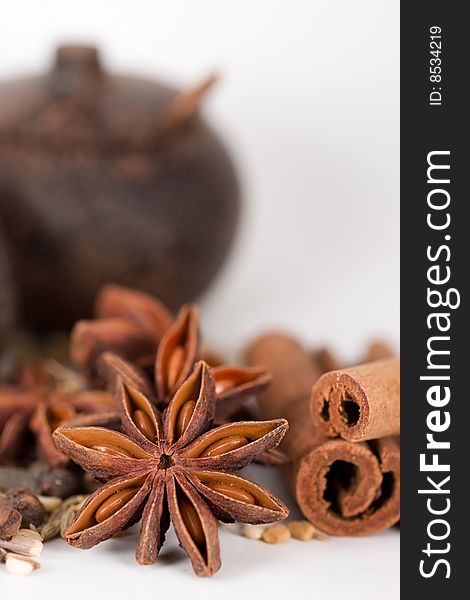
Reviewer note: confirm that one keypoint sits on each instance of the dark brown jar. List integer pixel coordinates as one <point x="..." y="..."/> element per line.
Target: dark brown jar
<point x="106" y="178"/>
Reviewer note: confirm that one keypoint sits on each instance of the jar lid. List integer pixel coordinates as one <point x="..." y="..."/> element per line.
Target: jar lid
<point x="78" y="102"/>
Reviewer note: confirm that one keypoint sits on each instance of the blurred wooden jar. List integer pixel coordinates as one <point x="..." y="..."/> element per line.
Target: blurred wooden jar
<point x="106" y="178"/>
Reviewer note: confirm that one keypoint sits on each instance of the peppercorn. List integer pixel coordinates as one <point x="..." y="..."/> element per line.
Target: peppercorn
<point x="28" y="505"/>
<point x="60" y="482"/>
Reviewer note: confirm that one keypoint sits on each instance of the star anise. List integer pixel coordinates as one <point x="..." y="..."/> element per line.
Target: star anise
<point x="177" y="353"/>
<point x="171" y="466"/>
<point x="233" y="385"/>
<point x="35" y="406"/>
<point x="140" y="329"/>
<point x="127" y="322"/>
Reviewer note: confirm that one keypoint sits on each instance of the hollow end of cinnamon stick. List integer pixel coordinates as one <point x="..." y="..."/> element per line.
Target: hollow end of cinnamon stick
<point x="359" y="403"/>
<point x="350" y="489"/>
<point x="341" y="487"/>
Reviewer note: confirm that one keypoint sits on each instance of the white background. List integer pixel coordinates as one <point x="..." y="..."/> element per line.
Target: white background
<point x="309" y="105"/>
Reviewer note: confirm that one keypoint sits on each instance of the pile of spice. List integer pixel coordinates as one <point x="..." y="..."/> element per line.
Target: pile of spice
<point x="149" y="423"/>
<point x="343" y="440"/>
<point x="19" y="545"/>
<point x="145" y="425"/>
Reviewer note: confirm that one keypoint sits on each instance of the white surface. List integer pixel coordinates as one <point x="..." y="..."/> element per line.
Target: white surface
<point x="357" y="569"/>
<point x="353" y="568"/>
<point x="339" y="568"/>
<point x="309" y="104"/>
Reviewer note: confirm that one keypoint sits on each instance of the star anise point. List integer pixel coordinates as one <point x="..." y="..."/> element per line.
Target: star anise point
<point x="172" y="465"/>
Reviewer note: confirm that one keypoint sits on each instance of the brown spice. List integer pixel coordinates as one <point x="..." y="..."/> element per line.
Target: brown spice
<point x="40" y="478"/>
<point x="176" y="354"/>
<point x="324" y="360"/>
<point x="377" y="350"/>
<point x="89" y="339"/>
<point x="359" y="403"/>
<point x="10" y="518"/>
<point x="134" y="306"/>
<point x="343" y="488"/>
<point x="62" y="517"/>
<point x="276" y="534"/>
<point x="27" y="542"/>
<point x="38" y="408"/>
<point x="135" y="327"/>
<point x="304" y="531"/>
<point x="165" y="471"/>
<point x="27" y="504"/>
<point x="19" y="552"/>
<point x="59" y="481"/>
<point x="128" y="322"/>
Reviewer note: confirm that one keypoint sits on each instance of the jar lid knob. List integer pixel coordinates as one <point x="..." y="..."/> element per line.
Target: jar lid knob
<point x="76" y="68"/>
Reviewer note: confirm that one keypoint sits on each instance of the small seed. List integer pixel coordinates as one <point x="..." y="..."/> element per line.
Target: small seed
<point x="276" y="534"/>
<point x="62" y="517"/>
<point x="32" y="534"/>
<point x="223" y="385"/>
<point x="192" y="522"/>
<point x="69" y="514"/>
<point x="231" y="442"/>
<point x="66" y="519"/>
<point x="253" y="532"/>
<point x="19" y="565"/>
<point x="301" y="530"/>
<point x="175" y="364"/>
<point x="184" y="417"/>
<point x="77" y="501"/>
<point x="50" y="503"/>
<point x="50" y="529"/>
<point x="112" y="504"/>
<point x="26" y="542"/>
<point x="144" y="424"/>
<point x="232" y="492"/>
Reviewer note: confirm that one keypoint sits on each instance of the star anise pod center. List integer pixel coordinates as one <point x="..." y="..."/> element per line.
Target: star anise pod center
<point x="171" y="465"/>
<point x="165" y="461"/>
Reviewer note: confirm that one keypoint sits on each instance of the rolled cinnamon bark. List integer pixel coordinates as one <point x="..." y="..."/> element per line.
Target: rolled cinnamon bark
<point x="359" y="403"/>
<point x="343" y="488"/>
<point x="377" y="350"/>
<point x="324" y="360"/>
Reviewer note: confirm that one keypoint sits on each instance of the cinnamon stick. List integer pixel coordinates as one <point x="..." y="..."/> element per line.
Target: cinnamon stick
<point x="343" y="488"/>
<point x="377" y="350"/>
<point x="325" y="360"/>
<point x="359" y="403"/>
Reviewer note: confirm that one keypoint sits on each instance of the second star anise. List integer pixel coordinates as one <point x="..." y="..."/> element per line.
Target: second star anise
<point x="36" y="408"/>
<point x="140" y="329"/>
<point x="171" y="466"/>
